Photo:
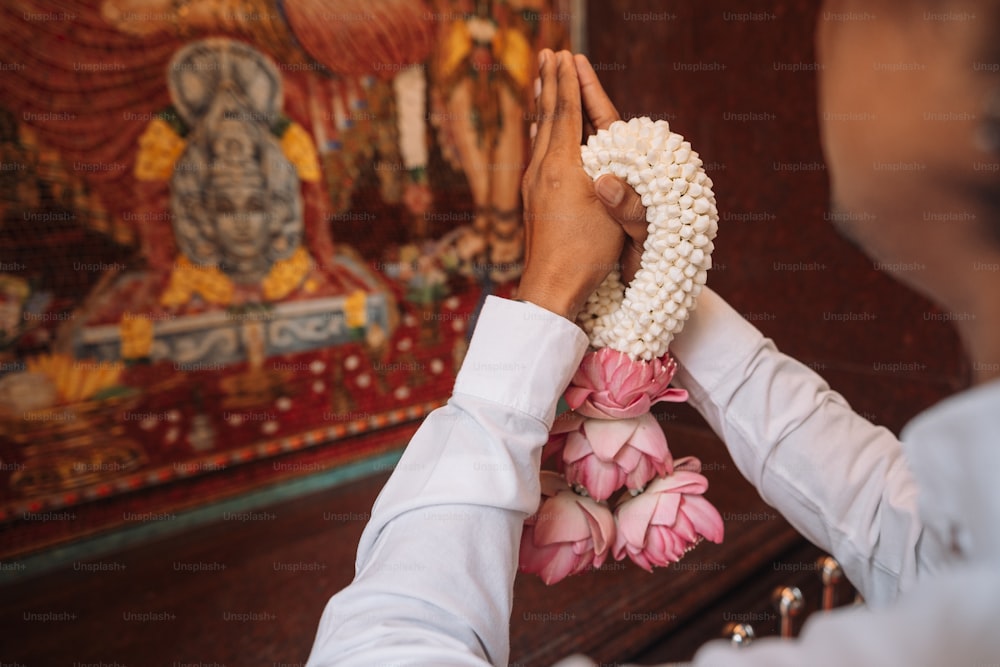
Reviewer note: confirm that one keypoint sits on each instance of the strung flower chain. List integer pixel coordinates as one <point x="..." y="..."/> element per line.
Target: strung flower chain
<point x="641" y="320"/>
<point x="609" y="445"/>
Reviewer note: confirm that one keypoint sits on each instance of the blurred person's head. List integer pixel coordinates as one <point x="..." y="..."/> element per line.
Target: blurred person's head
<point x="910" y="118"/>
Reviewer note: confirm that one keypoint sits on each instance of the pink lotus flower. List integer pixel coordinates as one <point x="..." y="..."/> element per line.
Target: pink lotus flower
<point x="609" y="385"/>
<point x="668" y="519"/>
<point x="567" y="535"/>
<point x="602" y="455"/>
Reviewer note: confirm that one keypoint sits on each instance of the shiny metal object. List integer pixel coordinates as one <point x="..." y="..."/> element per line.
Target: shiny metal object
<point x="789" y="603"/>
<point x="739" y="634"/>
<point x="831" y="574"/>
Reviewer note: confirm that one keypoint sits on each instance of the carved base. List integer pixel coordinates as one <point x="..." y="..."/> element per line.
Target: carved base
<point x="209" y="340"/>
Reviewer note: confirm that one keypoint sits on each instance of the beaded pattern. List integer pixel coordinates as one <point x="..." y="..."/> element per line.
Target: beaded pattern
<point x="641" y="320"/>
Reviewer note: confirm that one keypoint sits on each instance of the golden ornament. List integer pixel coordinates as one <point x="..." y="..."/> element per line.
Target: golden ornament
<point x="300" y="150"/>
<point x="159" y="149"/>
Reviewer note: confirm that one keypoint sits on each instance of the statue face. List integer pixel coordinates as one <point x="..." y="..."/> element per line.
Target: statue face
<point x="241" y="219"/>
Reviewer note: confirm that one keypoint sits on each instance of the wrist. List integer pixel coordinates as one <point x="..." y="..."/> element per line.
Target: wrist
<point x="550" y="299"/>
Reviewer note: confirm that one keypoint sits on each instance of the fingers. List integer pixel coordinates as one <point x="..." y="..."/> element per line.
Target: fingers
<point x="533" y="128"/>
<point x="567" y="127"/>
<point x="624" y="205"/>
<point x="546" y="102"/>
<point x="596" y="102"/>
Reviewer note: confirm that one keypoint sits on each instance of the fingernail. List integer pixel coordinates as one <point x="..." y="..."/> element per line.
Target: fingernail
<point x="610" y="190"/>
<point x="541" y="58"/>
<point x="533" y="131"/>
<point x="538" y="87"/>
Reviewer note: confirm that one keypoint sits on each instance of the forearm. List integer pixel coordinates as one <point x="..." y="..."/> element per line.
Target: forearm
<point x="436" y="562"/>
<point x="840" y="480"/>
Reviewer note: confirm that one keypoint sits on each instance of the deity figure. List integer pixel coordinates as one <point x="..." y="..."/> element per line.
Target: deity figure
<point x="234" y="195"/>
<point x="482" y="73"/>
<point x="345" y="54"/>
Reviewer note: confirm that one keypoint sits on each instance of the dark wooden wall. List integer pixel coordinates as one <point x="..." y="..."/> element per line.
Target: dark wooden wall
<point x="742" y="90"/>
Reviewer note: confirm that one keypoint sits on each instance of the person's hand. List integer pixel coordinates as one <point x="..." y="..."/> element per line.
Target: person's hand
<point x="572" y="243"/>
<point x="618" y="197"/>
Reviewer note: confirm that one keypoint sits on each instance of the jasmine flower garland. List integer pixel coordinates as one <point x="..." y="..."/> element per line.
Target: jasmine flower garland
<point x="641" y="320"/>
<point x="618" y="490"/>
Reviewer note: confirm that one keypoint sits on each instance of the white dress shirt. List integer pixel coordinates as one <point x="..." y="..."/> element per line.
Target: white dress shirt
<point x="436" y="563"/>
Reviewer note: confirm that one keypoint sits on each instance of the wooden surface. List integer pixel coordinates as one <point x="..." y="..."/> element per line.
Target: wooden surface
<point x="752" y="602"/>
<point x="280" y="564"/>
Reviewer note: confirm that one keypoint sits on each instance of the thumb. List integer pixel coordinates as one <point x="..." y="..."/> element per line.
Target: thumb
<point x="624" y="205"/>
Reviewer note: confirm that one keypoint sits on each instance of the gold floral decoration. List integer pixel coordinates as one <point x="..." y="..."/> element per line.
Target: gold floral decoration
<point x="188" y="279"/>
<point x="355" y="310"/>
<point x="76" y="379"/>
<point x="513" y="50"/>
<point x="456" y="46"/>
<point x="136" y="333"/>
<point x="300" y="150"/>
<point x="286" y="275"/>
<point x="159" y="148"/>
<point x="214" y="286"/>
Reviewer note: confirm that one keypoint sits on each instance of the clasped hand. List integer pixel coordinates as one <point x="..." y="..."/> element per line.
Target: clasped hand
<point x="577" y="230"/>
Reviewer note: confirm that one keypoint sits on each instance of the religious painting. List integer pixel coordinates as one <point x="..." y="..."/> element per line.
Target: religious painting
<point x="244" y="241"/>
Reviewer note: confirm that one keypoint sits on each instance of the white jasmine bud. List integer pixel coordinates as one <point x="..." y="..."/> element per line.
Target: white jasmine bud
<point x="642" y="318"/>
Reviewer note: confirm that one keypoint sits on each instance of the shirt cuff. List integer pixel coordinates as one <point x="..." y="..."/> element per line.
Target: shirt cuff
<point x="521" y="356"/>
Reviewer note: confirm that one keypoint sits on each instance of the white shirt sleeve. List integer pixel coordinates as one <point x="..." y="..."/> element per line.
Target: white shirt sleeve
<point x="840" y="480"/>
<point x="436" y="563"/>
